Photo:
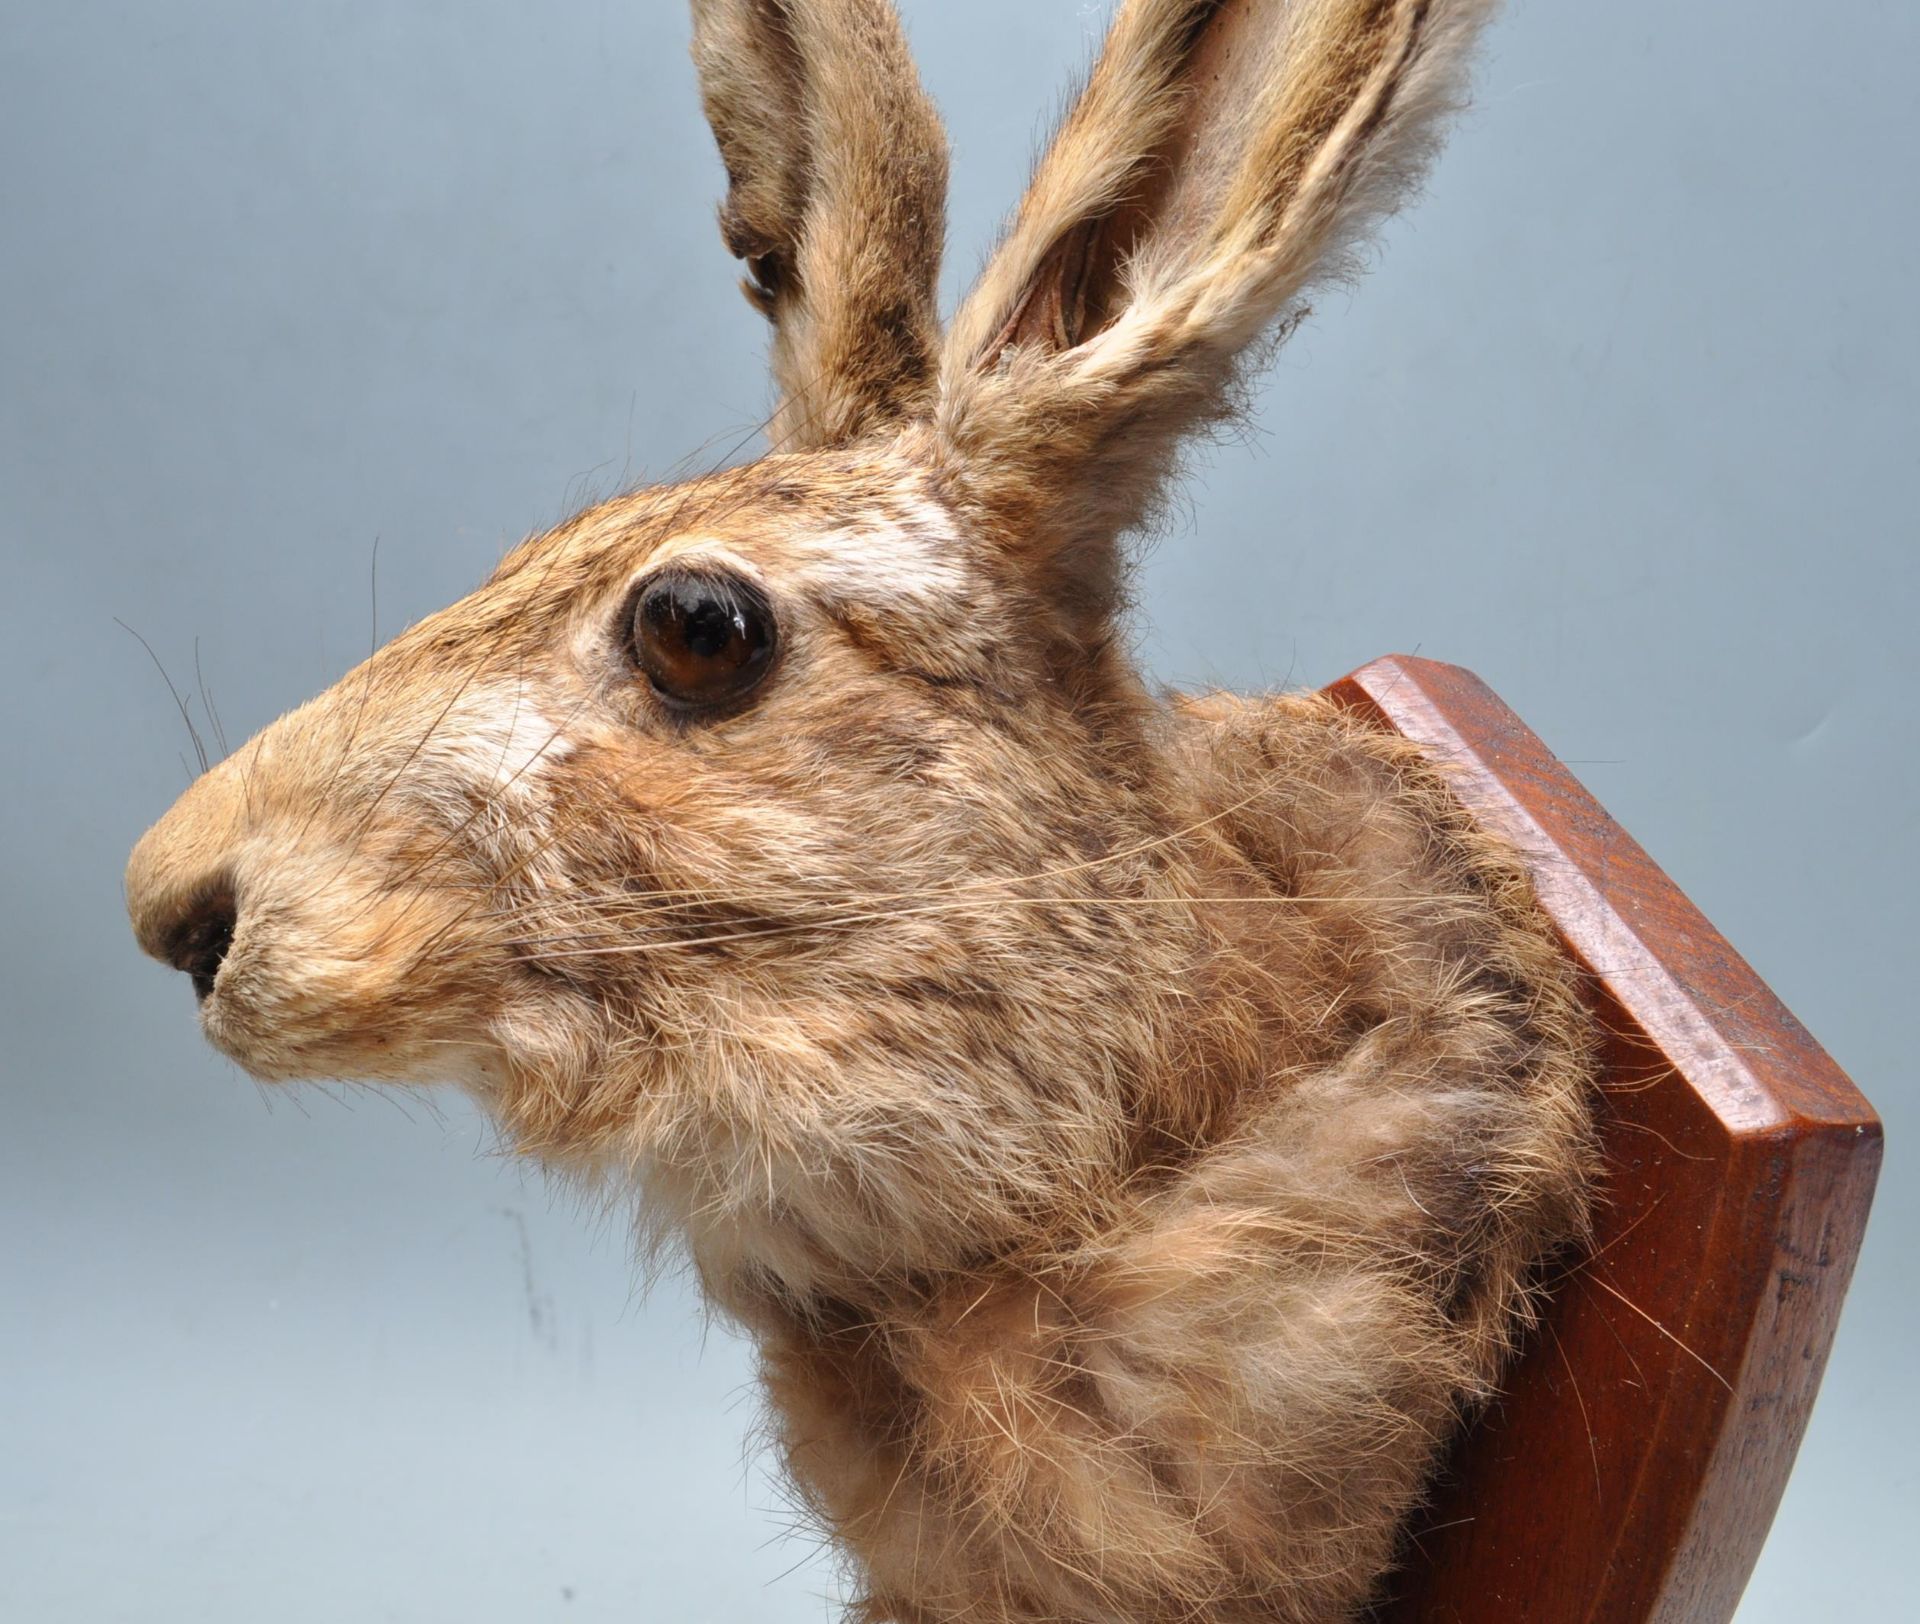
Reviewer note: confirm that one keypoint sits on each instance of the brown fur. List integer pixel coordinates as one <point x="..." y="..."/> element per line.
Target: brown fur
<point x="1130" y="1128"/>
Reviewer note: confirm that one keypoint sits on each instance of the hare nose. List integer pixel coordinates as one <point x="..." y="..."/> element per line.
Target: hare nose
<point x="198" y="941"/>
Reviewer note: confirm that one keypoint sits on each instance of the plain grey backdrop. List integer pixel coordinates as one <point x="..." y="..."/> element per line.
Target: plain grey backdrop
<point x="1625" y="418"/>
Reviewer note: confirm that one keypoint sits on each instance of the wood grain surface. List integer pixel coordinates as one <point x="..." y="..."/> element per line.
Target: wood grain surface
<point x="1631" y="1469"/>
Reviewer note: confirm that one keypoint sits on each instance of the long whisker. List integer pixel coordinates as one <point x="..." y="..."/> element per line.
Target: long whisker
<point x="206" y="703"/>
<point x="1173" y="836"/>
<point x="1594" y="1279"/>
<point x="199" y="744"/>
<point x="838" y="921"/>
<point x="345" y="752"/>
<point x="519" y="866"/>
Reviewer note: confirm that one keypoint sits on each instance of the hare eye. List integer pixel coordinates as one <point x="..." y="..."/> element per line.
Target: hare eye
<point x="701" y="639"/>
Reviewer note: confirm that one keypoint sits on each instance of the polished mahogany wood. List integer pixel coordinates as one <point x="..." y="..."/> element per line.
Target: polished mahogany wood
<point x="1632" y="1466"/>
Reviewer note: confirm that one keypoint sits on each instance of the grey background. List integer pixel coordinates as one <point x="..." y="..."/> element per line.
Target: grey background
<point x="1625" y="419"/>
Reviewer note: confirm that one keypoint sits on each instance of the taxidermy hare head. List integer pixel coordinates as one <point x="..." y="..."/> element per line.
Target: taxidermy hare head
<point x="1127" y="1124"/>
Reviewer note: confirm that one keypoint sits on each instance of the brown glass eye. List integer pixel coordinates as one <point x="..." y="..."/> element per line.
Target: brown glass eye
<point x="702" y="639"/>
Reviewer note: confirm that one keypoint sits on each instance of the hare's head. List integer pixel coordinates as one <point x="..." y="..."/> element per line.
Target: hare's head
<point x="721" y="835"/>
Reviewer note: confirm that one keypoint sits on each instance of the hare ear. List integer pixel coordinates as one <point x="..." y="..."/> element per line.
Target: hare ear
<point x="837" y="179"/>
<point x="1224" y="156"/>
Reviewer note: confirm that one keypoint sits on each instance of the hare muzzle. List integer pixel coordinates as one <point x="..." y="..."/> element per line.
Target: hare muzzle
<point x="316" y="887"/>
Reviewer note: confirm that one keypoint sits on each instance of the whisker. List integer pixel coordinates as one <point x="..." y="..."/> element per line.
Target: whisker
<point x="1595" y="1279"/>
<point x="206" y="702"/>
<point x="836" y="921"/>
<point x="199" y="744"/>
<point x="345" y="752"/>
<point x="1593" y="1445"/>
<point x="625" y="907"/>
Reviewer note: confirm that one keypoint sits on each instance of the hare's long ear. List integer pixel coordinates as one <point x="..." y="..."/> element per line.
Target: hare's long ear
<point x="837" y="179"/>
<point x="1224" y="156"/>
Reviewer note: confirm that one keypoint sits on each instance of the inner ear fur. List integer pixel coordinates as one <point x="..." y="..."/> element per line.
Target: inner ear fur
<point x="1224" y="157"/>
<point x="837" y="176"/>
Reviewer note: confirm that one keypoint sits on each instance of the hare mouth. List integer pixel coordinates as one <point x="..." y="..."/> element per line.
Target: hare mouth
<point x="282" y="1056"/>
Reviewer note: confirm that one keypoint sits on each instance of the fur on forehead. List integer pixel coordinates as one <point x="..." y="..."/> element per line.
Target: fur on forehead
<point x="857" y="509"/>
<point x="866" y="536"/>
